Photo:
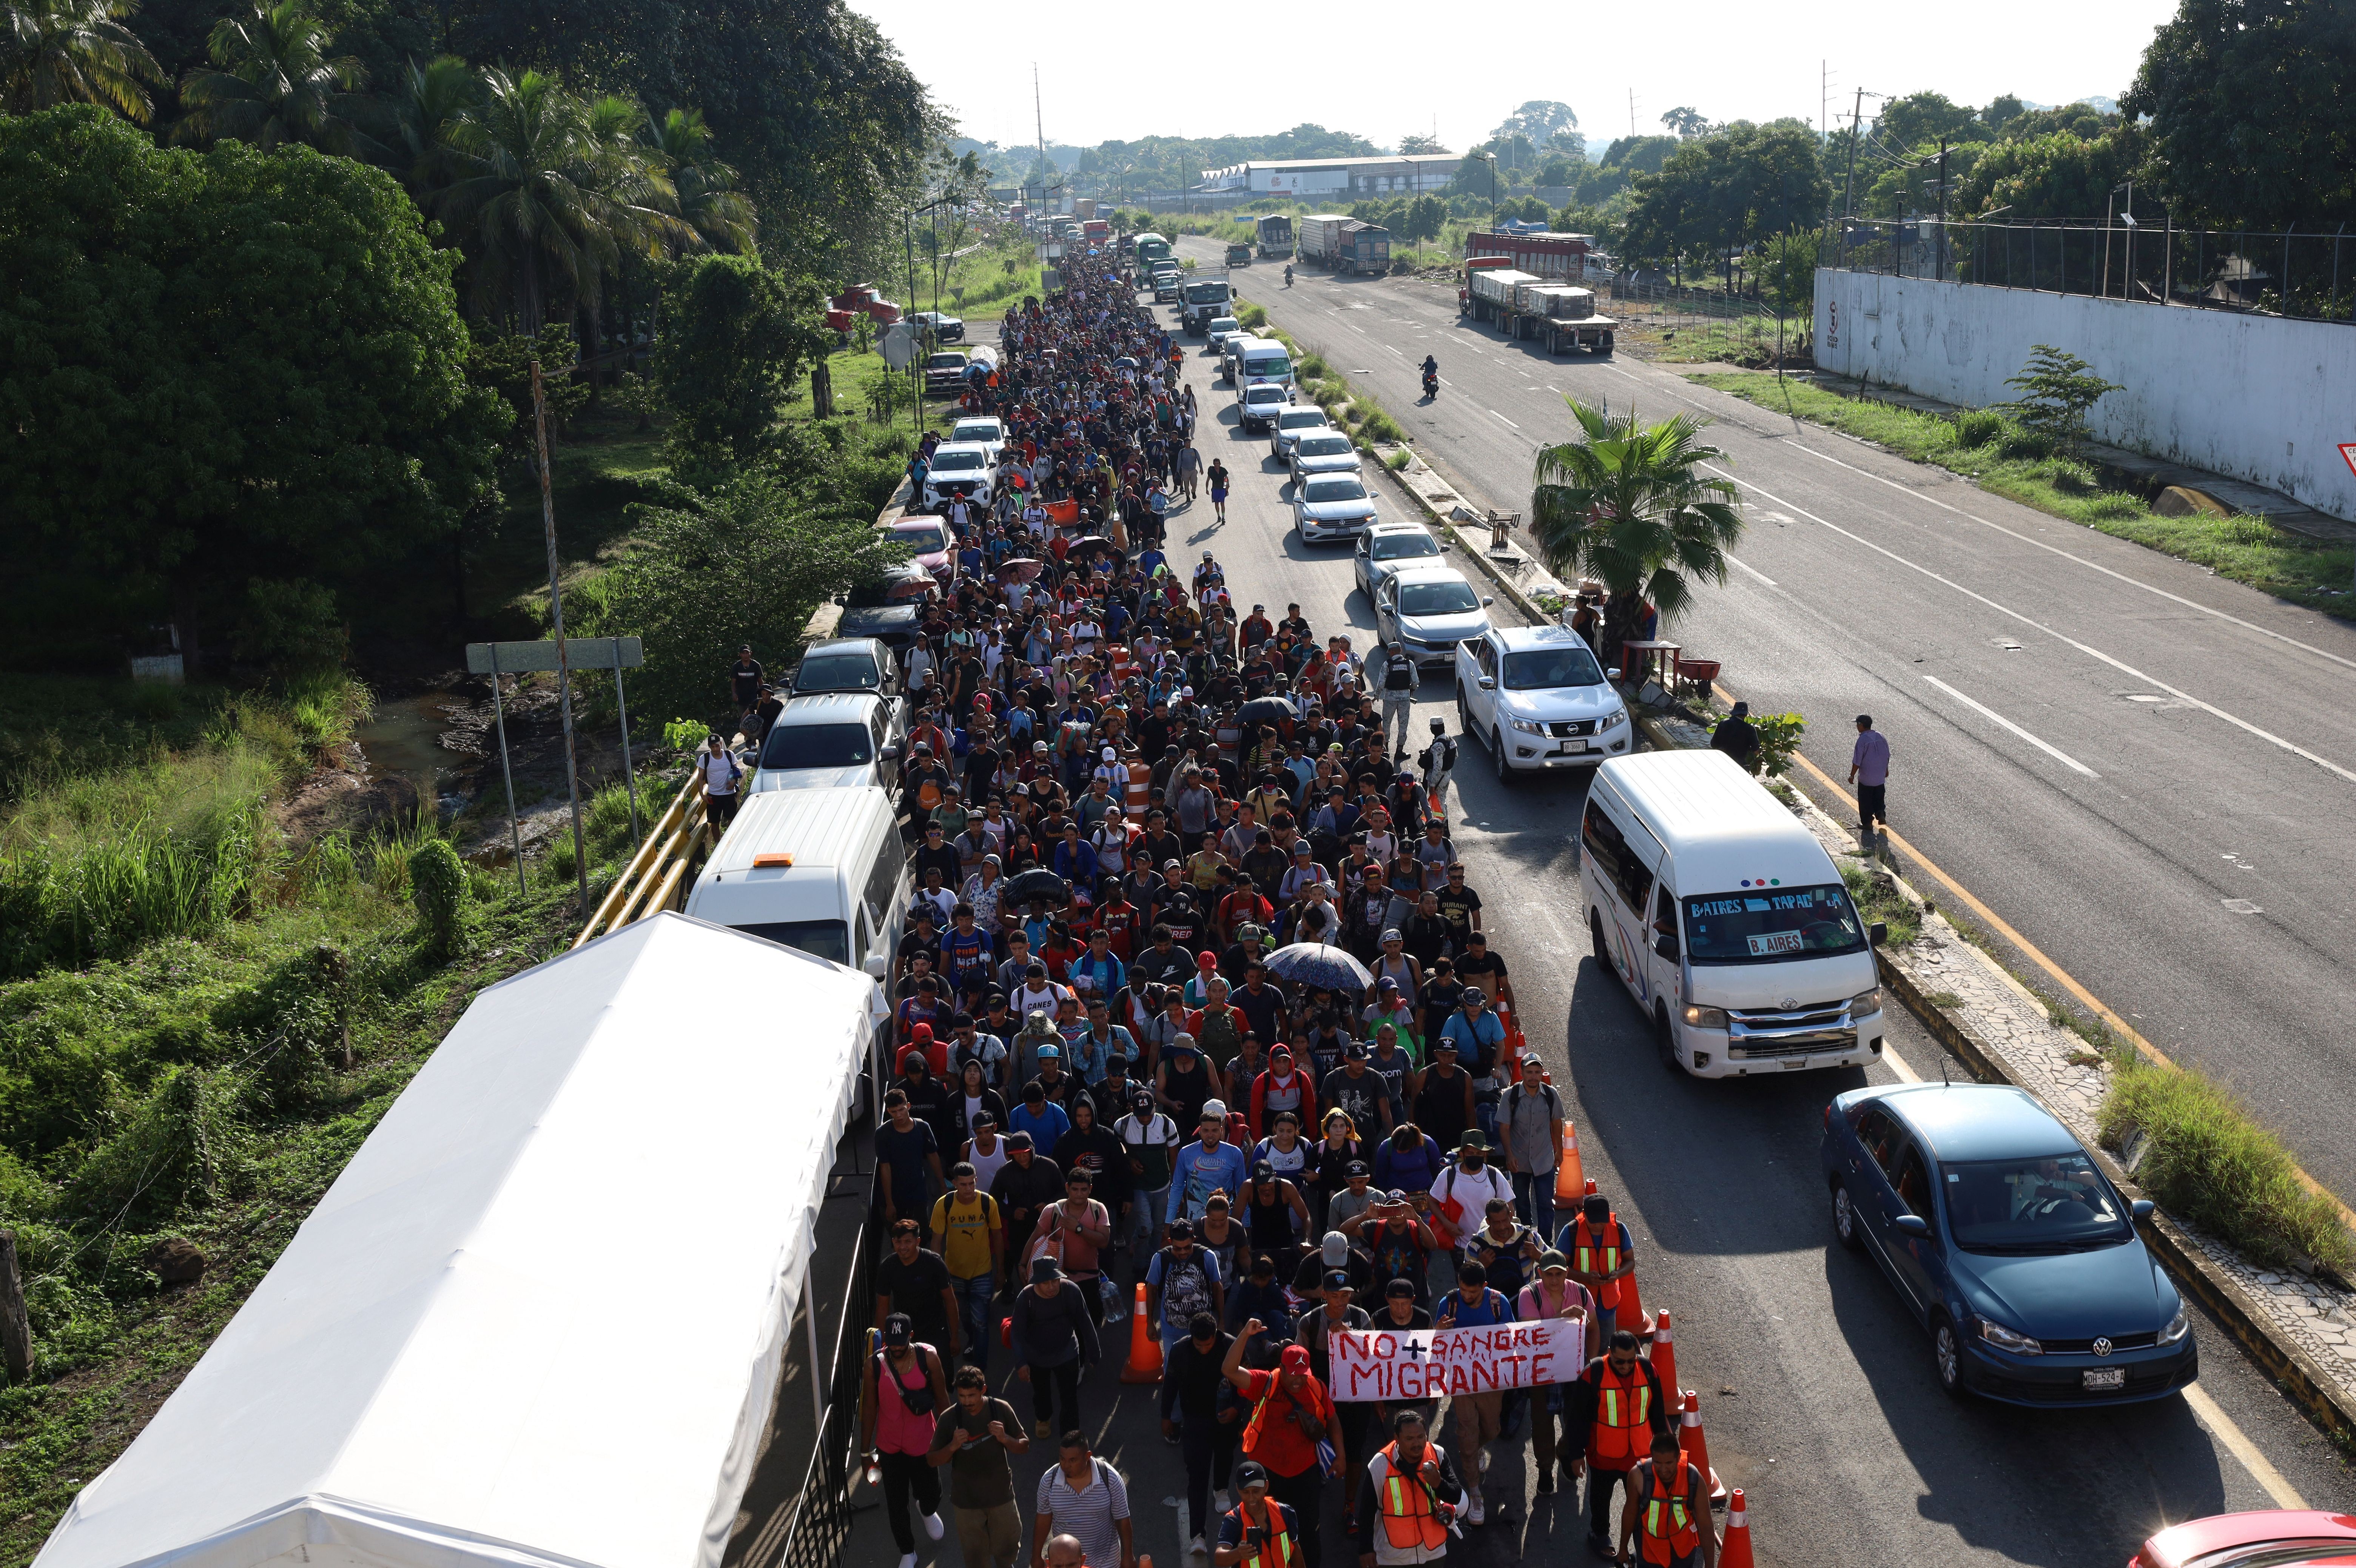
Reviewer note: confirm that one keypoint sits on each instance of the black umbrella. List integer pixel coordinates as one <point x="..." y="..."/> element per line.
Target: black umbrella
<point x="1089" y="543"/>
<point x="1267" y="710"/>
<point x="1038" y="882"/>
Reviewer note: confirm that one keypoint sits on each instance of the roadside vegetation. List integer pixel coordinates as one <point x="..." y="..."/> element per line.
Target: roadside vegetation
<point x="2025" y="464"/>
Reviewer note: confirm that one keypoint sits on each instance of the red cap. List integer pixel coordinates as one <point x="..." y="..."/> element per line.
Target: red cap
<point x="1295" y="1359"/>
<point x="1204" y="961"/>
<point x="920" y="1032"/>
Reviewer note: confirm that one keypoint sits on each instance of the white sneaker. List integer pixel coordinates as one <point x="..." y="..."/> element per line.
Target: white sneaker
<point x="908" y="1560"/>
<point x="934" y="1527"/>
<point x="1220" y="1502"/>
<point x="1474" y="1511"/>
<point x="1196" y="1549"/>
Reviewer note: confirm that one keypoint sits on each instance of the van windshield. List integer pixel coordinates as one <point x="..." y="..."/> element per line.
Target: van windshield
<point x="1770" y="924"/>
<point x="818" y="746"/>
<point x="829" y="939"/>
<point x="1275" y="367"/>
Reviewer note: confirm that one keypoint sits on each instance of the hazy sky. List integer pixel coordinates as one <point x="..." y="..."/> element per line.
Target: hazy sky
<point x="1126" y="70"/>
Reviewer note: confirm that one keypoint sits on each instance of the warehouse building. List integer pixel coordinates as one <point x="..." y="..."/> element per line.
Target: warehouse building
<point x="1356" y="179"/>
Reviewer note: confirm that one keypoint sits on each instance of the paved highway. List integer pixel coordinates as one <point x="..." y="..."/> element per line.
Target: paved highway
<point x="1818" y="1392"/>
<point x="2136" y="764"/>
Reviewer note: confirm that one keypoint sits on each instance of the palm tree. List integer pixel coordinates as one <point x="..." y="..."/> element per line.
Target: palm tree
<point x="426" y="107"/>
<point x="709" y="202"/>
<point x="518" y="202"/>
<point x="73" y="52"/>
<point x="1629" y="505"/>
<point x="275" y="83"/>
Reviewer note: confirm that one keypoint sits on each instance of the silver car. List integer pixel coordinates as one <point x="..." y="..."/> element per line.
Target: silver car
<point x="1222" y="327"/>
<point x="1292" y="425"/>
<point x="1388" y="549"/>
<point x="824" y="742"/>
<point x="1429" y="610"/>
<point x="1331" y="507"/>
<point x="1322" y="451"/>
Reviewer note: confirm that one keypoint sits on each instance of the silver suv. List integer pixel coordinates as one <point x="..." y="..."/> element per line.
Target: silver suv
<point x="1538" y="700"/>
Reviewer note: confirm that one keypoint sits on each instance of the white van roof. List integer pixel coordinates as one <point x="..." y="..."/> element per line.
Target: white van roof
<point x="1721" y="829"/>
<point x="1263" y="346"/>
<point x="816" y="826"/>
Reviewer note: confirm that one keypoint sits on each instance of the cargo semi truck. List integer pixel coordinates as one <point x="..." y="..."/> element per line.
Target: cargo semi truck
<point x="1344" y="244"/>
<point x="1533" y="308"/>
<point x="1275" y="238"/>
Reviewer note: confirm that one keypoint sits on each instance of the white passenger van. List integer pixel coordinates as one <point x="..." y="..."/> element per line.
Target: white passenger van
<point x="820" y="869"/>
<point x="1264" y="359"/>
<point x="1725" y="919"/>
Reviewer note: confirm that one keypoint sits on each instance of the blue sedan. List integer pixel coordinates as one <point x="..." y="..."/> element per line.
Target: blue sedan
<point x="2008" y="1244"/>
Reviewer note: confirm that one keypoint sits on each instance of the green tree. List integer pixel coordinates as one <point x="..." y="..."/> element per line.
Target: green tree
<point x="2057" y="175"/>
<point x="1539" y="120"/>
<point x="1639" y="155"/>
<point x="1687" y="123"/>
<point x="2058" y="389"/>
<point x="2249" y="112"/>
<point x="1629" y="505"/>
<point x="222" y="366"/>
<point x="1787" y="270"/>
<point x="708" y="199"/>
<point x="274" y="81"/>
<point x="735" y="336"/>
<point x="1418" y="143"/>
<point x="502" y="363"/>
<point x="1724" y="192"/>
<point x="749" y="564"/>
<point x="1922" y="118"/>
<point x="428" y="104"/>
<point x="74" y="51"/>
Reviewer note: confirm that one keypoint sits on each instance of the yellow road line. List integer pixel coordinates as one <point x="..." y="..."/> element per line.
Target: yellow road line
<point x="2238" y="1443"/>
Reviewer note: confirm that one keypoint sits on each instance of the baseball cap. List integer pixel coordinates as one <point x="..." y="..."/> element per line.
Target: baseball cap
<point x="1181" y="1228"/>
<point x="1018" y="1140"/>
<point x="1295" y="1359"/>
<point x="1337" y="1279"/>
<point x="1550" y="1259"/>
<point x="1210" y="1107"/>
<point x="1356" y="1167"/>
<point x="1250" y="1473"/>
<point x="1263" y="1171"/>
<point x="897" y="1331"/>
<point x="1044" y="1270"/>
<point x="1355" y="1052"/>
<point x="1336" y="1249"/>
<point x="1400" y="1287"/>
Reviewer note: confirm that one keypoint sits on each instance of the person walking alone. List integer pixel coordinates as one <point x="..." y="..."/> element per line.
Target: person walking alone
<point x="973" y="1439"/>
<point x="900" y="1403"/>
<point x="1218" y="478"/>
<point x="1868" y="769"/>
<point x="722" y="774"/>
<point x="1400" y="679"/>
<point x="1189" y="465"/>
<point x="1738" y="738"/>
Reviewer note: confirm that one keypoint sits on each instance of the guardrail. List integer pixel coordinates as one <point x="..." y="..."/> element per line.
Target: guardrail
<point x="652" y="880"/>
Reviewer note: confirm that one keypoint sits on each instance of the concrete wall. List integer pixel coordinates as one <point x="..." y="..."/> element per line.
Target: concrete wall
<point x="2254" y="397"/>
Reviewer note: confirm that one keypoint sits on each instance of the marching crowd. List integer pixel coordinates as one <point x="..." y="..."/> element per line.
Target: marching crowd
<point x="1195" y="994"/>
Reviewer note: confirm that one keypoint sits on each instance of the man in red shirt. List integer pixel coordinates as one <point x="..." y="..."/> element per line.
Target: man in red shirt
<point x="1241" y="907"/>
<point x="1292" y="1415"/>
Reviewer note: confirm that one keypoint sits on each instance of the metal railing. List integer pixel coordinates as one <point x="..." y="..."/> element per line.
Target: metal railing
<point x="2302" y="275"/>
<point x="820" y="1526"/>
<point x="653" y="878"/>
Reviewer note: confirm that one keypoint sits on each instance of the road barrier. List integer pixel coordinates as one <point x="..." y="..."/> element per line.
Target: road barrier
<point x="656" y="875"/>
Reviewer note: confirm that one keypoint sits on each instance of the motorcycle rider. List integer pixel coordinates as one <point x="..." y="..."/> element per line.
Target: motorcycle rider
<point x="1288" y="274"/>
<point x="1430" y="374"/>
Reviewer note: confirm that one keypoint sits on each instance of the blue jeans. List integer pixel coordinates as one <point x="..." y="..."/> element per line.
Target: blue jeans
<point x="973" y="1298"/>
<point x="1534" y="1200"/>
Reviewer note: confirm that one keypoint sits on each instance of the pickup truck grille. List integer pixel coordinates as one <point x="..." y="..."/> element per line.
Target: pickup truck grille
<point x="1565" y="731"/>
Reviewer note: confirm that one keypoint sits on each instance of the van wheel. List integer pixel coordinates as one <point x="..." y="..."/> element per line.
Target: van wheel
<point x="1664" y="1041"/>
<point x="1497" y="756"/>
<point x="1595" y="939"/>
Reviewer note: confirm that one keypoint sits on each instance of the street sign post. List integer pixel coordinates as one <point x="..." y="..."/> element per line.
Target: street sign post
<point x="2348" y="454"/>
<point x="899" y="345"/>
<point x="498" y="660"/>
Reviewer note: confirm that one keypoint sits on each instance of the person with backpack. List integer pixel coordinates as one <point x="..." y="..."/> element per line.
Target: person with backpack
<point x="1438" y="761"/>
<point x="1085" y="1498"/>
<point x="1200" y="1413"/>
<point x="1181" y="1281"/>
<point x="1666" y="1523"/>
<point x="1291" y="1421"/>
<point x="896" y="1429"/>
<point x="1479" y="1413"/>
<point x="1400" y="680"/>
<point x="1150" y="1141"/>
<point x="1529" y="1126"/>
<point x="722" y="774"/>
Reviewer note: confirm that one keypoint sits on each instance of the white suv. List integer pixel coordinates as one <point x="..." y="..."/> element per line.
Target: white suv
<point x="1538" y="700"/>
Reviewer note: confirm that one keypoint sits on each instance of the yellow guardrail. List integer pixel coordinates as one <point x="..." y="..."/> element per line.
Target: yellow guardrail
<point x="651" y="881"/>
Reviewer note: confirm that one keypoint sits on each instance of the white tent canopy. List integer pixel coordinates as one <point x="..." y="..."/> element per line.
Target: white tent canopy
<point x="538" y="1318"/>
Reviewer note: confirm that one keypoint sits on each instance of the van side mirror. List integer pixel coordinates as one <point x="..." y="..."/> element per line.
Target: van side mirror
<point x="1487" y="601"/>
<point x="1911" y="1226"/>
<point x="1878" y="933"/>
<point x="877" y="966"/>
<point x="1666" y="943"/>
<point x="2142" y="1207"/>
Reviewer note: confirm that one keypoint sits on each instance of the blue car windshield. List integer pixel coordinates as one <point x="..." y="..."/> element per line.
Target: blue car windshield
<point x="2057" y="1203"/>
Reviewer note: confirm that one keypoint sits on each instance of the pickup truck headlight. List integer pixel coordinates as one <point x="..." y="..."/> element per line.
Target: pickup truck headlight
<point x="2178" y="1327"/>
<point x="1705" y="1017"/>
<point x="2004" y="1339"/>
<point x="1529" y="726"/>
<point x="1616" y="717"/>
<point x="1865" y="1002"/>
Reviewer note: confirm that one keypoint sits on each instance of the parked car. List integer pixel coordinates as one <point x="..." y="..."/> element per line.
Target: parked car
<point x="945" y="328"/>
<point x="1290" y="424"/>
<point x="1385" y="549"/>
<point x="1429" y="610"/>
<point x="832" y="741"/>
<point x="1541" y="686"/>
<point x="927" y="539"/>
<point x="959" y="468"/>
<point x="1257" y="402"/>
<point x="845" y="664"/>
<point x="2265" y="1538"/>
<point x="1324" y="452"/>
<point x="945" y="373"/>
<point x="983" y="431"/>
<point x="1331" y="507"/>
<point x="890" y="611"/>
<point x="2008" y="1243"/>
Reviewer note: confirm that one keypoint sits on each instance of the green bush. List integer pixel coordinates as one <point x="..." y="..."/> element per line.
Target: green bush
<point x="2243" y="528"/>
<point x="1399" y="459"/>
<point x="1978" y="427"/>
<point x="181" y="1147"/>
<point x="2023" y="444"/>
<point x="1778" y="739"/>
<point x="2210" y="1165"/>
<point x="437" y="885"/>
<point x="2113" y="508"/>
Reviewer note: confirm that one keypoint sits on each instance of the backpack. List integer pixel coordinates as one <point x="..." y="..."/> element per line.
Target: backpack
<point x="1185" y="1287"/>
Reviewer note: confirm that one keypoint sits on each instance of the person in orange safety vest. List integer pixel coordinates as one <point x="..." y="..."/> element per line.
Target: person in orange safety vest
<point x="1408" y="1508"/>
<point x="1667" y="1511"/>
<point x="1258" y="1532"/>
<point x="1613" y="1400"/>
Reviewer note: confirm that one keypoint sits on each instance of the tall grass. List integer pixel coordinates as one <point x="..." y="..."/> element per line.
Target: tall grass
<point x="2208" y="1163"/>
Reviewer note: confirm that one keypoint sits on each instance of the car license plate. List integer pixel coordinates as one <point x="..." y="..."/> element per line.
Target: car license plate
<point x="1774" y="942"/>
<point x="1571" y="748"/>
<point x="2105" y="1377"/>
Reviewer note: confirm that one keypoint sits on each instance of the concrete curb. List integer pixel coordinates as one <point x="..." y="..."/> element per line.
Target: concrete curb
<point x="1474" y="552"/>
<point x="2293" y="1369"/>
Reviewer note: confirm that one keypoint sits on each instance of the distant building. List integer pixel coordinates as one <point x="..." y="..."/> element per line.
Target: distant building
<point x="1356" y="179"/>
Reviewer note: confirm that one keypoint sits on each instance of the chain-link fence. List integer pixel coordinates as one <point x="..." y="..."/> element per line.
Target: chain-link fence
<point x="2306" y="275"/>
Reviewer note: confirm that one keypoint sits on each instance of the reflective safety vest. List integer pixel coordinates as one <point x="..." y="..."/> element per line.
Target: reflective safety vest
<point x="1408" y="1520"/>
<point x="1669" y="1529"/>
<point x="1624" y="1413"/>
<point x="1277" y="1551"/>
<point x="1597" y="1252"/>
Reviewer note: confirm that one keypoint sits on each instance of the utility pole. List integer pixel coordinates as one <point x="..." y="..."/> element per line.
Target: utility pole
<point x="1848" y="195"/>
<point x="1942" y="259"/>
<point x="1632" y="114"/>
<point x="556" y="614"/>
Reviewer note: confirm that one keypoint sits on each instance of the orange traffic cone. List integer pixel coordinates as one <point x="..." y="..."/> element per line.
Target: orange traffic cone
<point x="1144" y="1346"/>
<point x="1695" y="1447"/>
<point x="1630" y="1315"/>
<point x="1735" y="1550"/>
<point x="1569" y="1174"/>
<point x="1665" y="1352"/>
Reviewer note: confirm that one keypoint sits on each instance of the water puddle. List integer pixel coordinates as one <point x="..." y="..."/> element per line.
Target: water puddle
<point x="406" y="738"/>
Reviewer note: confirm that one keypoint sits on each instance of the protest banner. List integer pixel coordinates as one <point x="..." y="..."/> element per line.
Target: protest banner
<point x="1430" y="1363"/>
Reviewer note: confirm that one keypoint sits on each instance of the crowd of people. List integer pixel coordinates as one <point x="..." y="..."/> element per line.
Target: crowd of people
<point x="1128" y="1053"/>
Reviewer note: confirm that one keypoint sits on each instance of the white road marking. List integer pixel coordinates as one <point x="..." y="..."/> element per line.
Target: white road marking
<point x="2082" y="560"/>
<point x="1990" y="714"/>
<point x="1552" y="387"/>
<point x="2091" y="652"/>
<point x="1898" y="1064"/>
<point x="1395" y="351"/>
<point x="1475" y="349"/>
<point x="1753" y="570"/>
<point x="1503" y="417"/>
<point x="2205" y="1411"/>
